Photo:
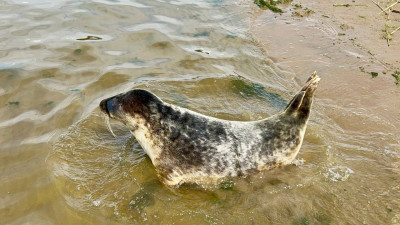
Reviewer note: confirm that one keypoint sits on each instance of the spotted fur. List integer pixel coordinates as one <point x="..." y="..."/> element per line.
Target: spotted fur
<point x="185" y="146"/>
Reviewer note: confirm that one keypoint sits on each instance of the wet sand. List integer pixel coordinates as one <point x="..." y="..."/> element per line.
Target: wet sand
<point x="345" y="62"/>
<point x="344" y="44"/>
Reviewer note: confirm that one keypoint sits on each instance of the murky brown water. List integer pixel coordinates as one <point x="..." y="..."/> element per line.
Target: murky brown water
<point x="60" y="165"/>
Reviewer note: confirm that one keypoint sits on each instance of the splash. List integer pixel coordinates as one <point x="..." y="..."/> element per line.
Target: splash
<point x="338" y="173"/>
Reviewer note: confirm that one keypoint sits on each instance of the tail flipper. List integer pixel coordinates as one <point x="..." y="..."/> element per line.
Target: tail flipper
<point x="300" y="105"/>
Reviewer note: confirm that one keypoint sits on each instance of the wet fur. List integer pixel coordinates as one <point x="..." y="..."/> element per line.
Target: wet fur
<point x="186" y="146"/>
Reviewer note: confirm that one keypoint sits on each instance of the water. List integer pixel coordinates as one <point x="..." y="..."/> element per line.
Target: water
<point x="59" y="164"/>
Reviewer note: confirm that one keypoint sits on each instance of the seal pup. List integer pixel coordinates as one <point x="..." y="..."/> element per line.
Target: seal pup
<point x="188" y="147"/>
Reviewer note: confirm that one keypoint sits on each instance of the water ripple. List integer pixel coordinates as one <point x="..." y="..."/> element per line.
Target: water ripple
<point x="35" y="116"/>
<point x="59" y="59"/>
<point x="132" y="3"/>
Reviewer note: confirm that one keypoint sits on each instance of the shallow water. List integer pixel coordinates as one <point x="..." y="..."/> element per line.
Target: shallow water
<point x="59" y="164"/>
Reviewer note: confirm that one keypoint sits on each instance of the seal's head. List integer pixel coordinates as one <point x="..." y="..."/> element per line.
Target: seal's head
<point x="131" y="107"/>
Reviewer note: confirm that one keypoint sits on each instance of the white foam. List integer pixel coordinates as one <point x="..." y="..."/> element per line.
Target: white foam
<point x="338" y="173"/>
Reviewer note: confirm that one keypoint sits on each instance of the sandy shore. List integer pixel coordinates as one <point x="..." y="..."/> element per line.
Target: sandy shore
<point x="344" y="44"/>
<point x="361" y="24"/>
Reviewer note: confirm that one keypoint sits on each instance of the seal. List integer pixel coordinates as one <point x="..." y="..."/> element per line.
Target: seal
<point x="188" y="147"/>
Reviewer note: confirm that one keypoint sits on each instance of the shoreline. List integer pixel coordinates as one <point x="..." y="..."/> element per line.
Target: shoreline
<point x="301" y="45"/>
<point x="341" y="26"/>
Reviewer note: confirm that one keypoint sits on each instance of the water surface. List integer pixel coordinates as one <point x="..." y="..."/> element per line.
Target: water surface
<point x="60" y="165"/>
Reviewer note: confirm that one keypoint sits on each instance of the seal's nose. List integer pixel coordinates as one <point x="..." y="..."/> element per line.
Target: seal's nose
<point x="103" y="106"/>
<point x="110" y="106"/>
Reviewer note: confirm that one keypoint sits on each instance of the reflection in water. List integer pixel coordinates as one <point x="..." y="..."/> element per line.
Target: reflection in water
<point x="60" y="165"/>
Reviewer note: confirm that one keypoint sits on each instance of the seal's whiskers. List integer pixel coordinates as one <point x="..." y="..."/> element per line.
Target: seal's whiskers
<point x="108" y="125"/>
